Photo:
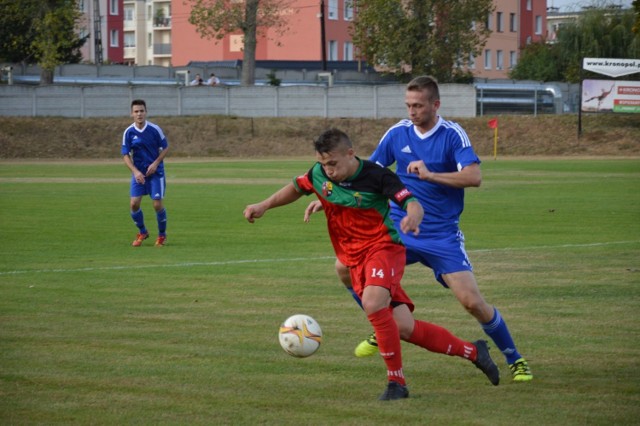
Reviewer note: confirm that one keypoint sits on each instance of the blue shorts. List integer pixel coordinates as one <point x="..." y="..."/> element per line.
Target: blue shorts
<point x="443" y="253"/>
<point x="153" y="185"/>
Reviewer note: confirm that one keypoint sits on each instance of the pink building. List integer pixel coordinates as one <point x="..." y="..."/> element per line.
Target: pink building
<point x="157" y="32"/>
<point x="513" y="25"/>
<point x="302" y="40"/>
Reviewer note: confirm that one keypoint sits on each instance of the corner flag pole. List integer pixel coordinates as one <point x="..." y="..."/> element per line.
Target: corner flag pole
<point x="493" y="124"/>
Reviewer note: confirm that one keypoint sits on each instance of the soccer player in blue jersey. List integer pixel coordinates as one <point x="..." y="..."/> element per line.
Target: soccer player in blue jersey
<point x="144" y="148"/>
<point x="435" y="160"/>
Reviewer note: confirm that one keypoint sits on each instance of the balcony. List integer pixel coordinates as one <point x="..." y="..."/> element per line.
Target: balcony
<point x="162" y="23"/>
<point x="162" y="49"/>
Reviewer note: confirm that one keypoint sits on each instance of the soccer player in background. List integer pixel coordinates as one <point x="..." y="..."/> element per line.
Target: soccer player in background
<point x="435" y="160"/>
<point x="144" y="148"/>
<point x="355" y="197"/>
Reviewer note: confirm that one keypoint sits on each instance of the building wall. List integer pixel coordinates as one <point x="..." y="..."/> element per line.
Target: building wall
<point x="301" y="41"/>
<point x="496" y="58"/>
<point x="176" y="42"/>
<point x="113" y="37"/>
<point x="533" y="21"/>
<point x="111" y="20"/>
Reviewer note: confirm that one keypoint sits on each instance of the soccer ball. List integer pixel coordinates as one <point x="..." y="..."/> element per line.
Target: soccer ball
<point x="300" y="336"/>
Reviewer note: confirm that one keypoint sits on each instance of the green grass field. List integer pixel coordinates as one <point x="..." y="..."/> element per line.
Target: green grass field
<point x="93" y="331"/>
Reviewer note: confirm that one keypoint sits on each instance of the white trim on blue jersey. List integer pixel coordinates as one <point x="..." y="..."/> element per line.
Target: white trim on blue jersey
<point x="445" y="148"/>
<point x="144" y="145"/>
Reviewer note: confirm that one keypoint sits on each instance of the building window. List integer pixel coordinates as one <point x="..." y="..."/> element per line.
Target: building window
<point x="149" y="13"/>
<point x="128" y="14"/>
<point x="538" y="25"/>
<point x="149" y="39"/>
<point x="333" y="9"/>
<point x="348" y="10"/>
<point x="236" y="43"/>
<point x="487" y="59"/>
<point x="472" y="62"/>
<point x="528" y="4"/>
<point x="113" y="7"/>
<point x="499" y="27"/>
<point x="513" y="59"/>
<point x="113" y="38"/>
<point x="129" y="40"/>
<point x="348" y="51"/>
<point x="333" y="51"/>
<point x="487" y="23"/>
<point x="512" y="23"/>
<point x="499" y="59"/>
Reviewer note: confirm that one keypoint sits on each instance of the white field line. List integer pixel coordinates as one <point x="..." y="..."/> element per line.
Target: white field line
<point x="292" y="259"/>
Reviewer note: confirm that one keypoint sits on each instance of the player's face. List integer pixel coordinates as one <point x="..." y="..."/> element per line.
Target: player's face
<point x="139" y="114"/>
<point x="422" y="112"/>
<point x="338" y="165"/>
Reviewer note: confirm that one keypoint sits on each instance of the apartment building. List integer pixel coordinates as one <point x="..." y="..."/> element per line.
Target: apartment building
<point x="147" y="32"/>
<point x="513" y="24"/>
<point x="102" y="21"/>
<point x="301" y="41"/>
<point x="157" y="32"/>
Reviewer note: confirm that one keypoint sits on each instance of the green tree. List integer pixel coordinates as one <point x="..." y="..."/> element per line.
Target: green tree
<point x="214" y="19"/>
<point x="42" y="32"/>
<point x="413" y="37"/>
<point x="636" y="25"/>
<point x="538" y="61"/>
<point x="597" y="33"/>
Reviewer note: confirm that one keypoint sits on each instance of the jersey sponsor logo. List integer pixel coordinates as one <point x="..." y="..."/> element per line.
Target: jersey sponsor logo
<point x="404" y="193"/>
<point x="406" y="149"/>
<point x="327" y="188"/>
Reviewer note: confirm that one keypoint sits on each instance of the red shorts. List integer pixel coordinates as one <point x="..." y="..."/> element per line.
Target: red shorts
<point x="383" y="267"/>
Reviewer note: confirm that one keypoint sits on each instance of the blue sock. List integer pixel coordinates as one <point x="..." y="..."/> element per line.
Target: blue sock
<point x="355" y="296"/>
<point x="138" y="219"/>
<point x="162" y="222"/>
<point x="499" y="333"/>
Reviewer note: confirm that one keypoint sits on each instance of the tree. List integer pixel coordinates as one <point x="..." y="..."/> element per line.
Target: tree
<point x="538" y="61"/>
<point x="42" y="32"/>
<point x="436" y="37"/>
<point x="215" y="19"/>
<point x="636" y="25"/>
<point x="597" y="33"/>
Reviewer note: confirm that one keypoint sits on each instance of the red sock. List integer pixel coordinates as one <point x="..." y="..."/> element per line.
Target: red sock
<point x="438" y="339"/>
<point x="388" y="338"/>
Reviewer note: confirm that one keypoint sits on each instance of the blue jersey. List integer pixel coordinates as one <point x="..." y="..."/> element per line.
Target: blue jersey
<point x="445" y="148"/>
<point x="144" y="146"/>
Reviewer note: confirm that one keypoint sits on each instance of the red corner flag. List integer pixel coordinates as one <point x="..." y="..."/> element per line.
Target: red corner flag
<point x="493" y="123"/>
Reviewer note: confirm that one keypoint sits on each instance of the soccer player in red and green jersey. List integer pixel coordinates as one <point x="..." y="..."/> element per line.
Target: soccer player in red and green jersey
<point x="355" y="195"/>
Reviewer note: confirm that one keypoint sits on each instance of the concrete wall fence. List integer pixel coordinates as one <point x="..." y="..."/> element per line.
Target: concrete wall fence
<point x="353" y="101"/>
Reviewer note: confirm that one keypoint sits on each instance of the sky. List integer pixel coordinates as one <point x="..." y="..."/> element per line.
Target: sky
<point x="576" y="5"/>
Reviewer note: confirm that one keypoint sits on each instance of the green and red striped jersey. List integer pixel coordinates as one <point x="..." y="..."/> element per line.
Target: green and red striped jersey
<point x="357" y="208"/>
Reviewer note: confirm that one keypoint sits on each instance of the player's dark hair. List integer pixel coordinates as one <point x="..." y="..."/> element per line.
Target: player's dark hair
<point x="139" y="102"/>
<point x="331" y="140"/>
<point x="425" y="82"/>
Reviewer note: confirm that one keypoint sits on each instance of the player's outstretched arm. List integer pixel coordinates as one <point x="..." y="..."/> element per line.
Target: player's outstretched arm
<point x="284" y="196"/>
